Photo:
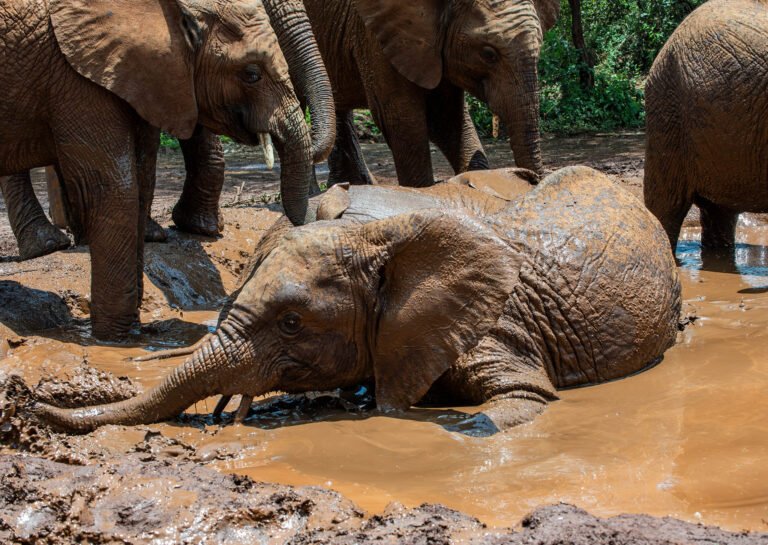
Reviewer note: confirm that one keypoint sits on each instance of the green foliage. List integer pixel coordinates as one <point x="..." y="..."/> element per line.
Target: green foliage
<point x="623" y="37"/>
<point x="168" y="142"/>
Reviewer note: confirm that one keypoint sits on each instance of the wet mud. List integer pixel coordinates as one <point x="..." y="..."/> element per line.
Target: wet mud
<point x="687" y="439"/>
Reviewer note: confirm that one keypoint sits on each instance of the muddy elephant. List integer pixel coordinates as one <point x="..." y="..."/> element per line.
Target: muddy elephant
<point x="103" y="90"/>
<point x="197" y="210"/>
<point x="571" y="283"/>
<point x="707" y="127"/>
<point x="410" y="63"/>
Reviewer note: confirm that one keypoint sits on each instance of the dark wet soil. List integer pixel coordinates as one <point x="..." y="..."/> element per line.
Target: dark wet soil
<point x="687" y="438"/>
<point x="139" y="500"/>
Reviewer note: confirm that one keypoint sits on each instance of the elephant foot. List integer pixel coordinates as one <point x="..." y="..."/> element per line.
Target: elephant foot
<point x="46" y="239"/>
<point x="198" y="222"/>
<point x="153" y="232"/>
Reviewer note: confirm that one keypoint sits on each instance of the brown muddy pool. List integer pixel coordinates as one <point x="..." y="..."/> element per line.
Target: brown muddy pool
<point x="688" y="438"/>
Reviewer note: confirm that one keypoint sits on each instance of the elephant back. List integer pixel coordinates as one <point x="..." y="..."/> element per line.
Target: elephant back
<point x="600" y="273"/>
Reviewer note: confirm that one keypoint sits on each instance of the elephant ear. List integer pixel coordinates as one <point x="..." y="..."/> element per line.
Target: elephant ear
<point x="409" y="33"/>
<point x="140" y="50"/>
<point x="548" y="11"/>
<point x="334" y="202"/>
<point x="440" y="281"/>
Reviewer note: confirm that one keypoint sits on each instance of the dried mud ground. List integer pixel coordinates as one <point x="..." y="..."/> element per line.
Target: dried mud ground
<point x="193" y="481"/>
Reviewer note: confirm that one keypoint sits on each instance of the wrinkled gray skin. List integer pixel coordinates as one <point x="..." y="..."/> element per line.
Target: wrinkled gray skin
<point x="570" y="284"/>
<point x="707" y="122"/>
<point x="197" y="210"/>
<point x="410" y="62"/>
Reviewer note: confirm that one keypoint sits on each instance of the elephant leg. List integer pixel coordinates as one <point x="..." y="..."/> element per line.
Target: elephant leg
<point x="452" y="130"/>
<point x="197" y="210"/>
<point x="147" y="146"/>
<point x="346" y="162"/>
<point x="667" y="197"/>
<point x="35" y="235"/>
<point x="57" y="207"/>
<point x="718" y="227"/>
<point x="403" y="121"/>
<point x="512" y="387"/>
<point x="102" y="178"/>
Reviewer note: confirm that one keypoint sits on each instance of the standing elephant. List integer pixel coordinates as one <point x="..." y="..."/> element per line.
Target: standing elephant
<point x="410" y="63"/>
<point x="707" y="121"/>
<point x="197" y="211"/>
<point x="569" y="284"/>
<point x="106" y="74"/>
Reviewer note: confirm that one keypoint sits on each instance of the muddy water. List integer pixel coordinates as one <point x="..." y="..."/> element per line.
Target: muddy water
<point x="688" y="438"/>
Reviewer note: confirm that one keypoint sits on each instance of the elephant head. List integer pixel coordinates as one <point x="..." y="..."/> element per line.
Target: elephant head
<point x="332" y="304"/>
<point x="489" y="48"/>
<point x="183" y="62"/>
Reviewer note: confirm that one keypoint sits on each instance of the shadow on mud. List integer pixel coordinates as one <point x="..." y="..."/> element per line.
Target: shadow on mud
<point x="184" y="272"/>
<point x="28" y="311"/>
<point x="287" y="410"/>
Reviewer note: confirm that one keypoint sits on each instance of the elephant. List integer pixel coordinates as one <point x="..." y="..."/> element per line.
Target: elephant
<point x="103" y="90"/>
<point x="410" y="63"/>
<point x="197" y="210"/>
<point x="448" y="302"/>
<point x="707" y="122"/>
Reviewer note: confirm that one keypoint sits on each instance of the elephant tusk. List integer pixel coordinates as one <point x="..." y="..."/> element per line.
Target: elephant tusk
<point x="269" y="149"/>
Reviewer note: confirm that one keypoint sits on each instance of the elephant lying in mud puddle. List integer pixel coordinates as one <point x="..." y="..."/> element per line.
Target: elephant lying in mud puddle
<point x="443" y="296"/>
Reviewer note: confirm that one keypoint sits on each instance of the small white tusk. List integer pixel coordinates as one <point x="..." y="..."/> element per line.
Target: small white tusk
<point x="269" y="150"/>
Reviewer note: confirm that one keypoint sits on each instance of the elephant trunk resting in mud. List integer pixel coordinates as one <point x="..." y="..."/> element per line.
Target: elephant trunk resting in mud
<point x="569" y="284"/>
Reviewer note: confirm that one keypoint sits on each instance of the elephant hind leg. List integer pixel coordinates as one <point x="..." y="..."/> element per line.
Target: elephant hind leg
<point x="718" y="227"/>
<point x="666" y="195"/>
<point x="35" y="235"/>
<point x="346" y="162"/>
<point x="197" y="210"/>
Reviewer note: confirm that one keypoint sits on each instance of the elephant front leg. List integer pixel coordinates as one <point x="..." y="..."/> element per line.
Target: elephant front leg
<point x="35" y="235"/>
<point x="197" y="210"/>
<point x="512" y="386"/>
<point x="452" y="130"/>
<point x="346" y="162"/>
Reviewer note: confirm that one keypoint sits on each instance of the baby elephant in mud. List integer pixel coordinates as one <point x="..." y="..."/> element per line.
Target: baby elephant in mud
<point x="569" y="284"/>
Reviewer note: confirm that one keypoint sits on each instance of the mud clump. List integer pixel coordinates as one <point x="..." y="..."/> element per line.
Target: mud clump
<point x="133" y="501"/>
<point x="84" y="387"/>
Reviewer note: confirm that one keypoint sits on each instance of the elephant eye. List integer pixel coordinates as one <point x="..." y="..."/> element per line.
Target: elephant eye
<point x="290" y="323"/>
<point x="489" y="54"/>
<point x="251" y="75"/>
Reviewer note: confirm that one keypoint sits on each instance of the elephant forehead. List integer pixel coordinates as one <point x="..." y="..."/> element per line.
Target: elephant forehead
<point x="508" y="20"/>
<point x="301" y="269"/>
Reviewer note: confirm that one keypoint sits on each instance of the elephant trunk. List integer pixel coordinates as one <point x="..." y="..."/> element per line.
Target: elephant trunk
<point x="307" y="70"/>
<point x="292" y="142"/>
<point x="520" y="112"/>
<point x="198" y="377"/>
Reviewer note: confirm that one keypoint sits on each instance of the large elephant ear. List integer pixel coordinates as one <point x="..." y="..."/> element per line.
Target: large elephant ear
<point x="548" y="11"/>
<point x="141" y="50"/>
<point x="409" y="33"/>
<point x="439" y="282"/>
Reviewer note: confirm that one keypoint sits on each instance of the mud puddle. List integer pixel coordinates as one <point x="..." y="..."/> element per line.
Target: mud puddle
<point x="688" y="438"/>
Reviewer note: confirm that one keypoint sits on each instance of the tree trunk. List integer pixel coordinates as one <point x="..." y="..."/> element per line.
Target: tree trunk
<point x="586" y="69"/>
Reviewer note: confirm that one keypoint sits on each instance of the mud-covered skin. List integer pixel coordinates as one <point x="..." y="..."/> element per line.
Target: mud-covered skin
<point x="707" y="128"/>
<point x="95" y="117"/>
<point x="128" y="501"/>
<point x="410" y="64"/>
<point x="570" y="284"/>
